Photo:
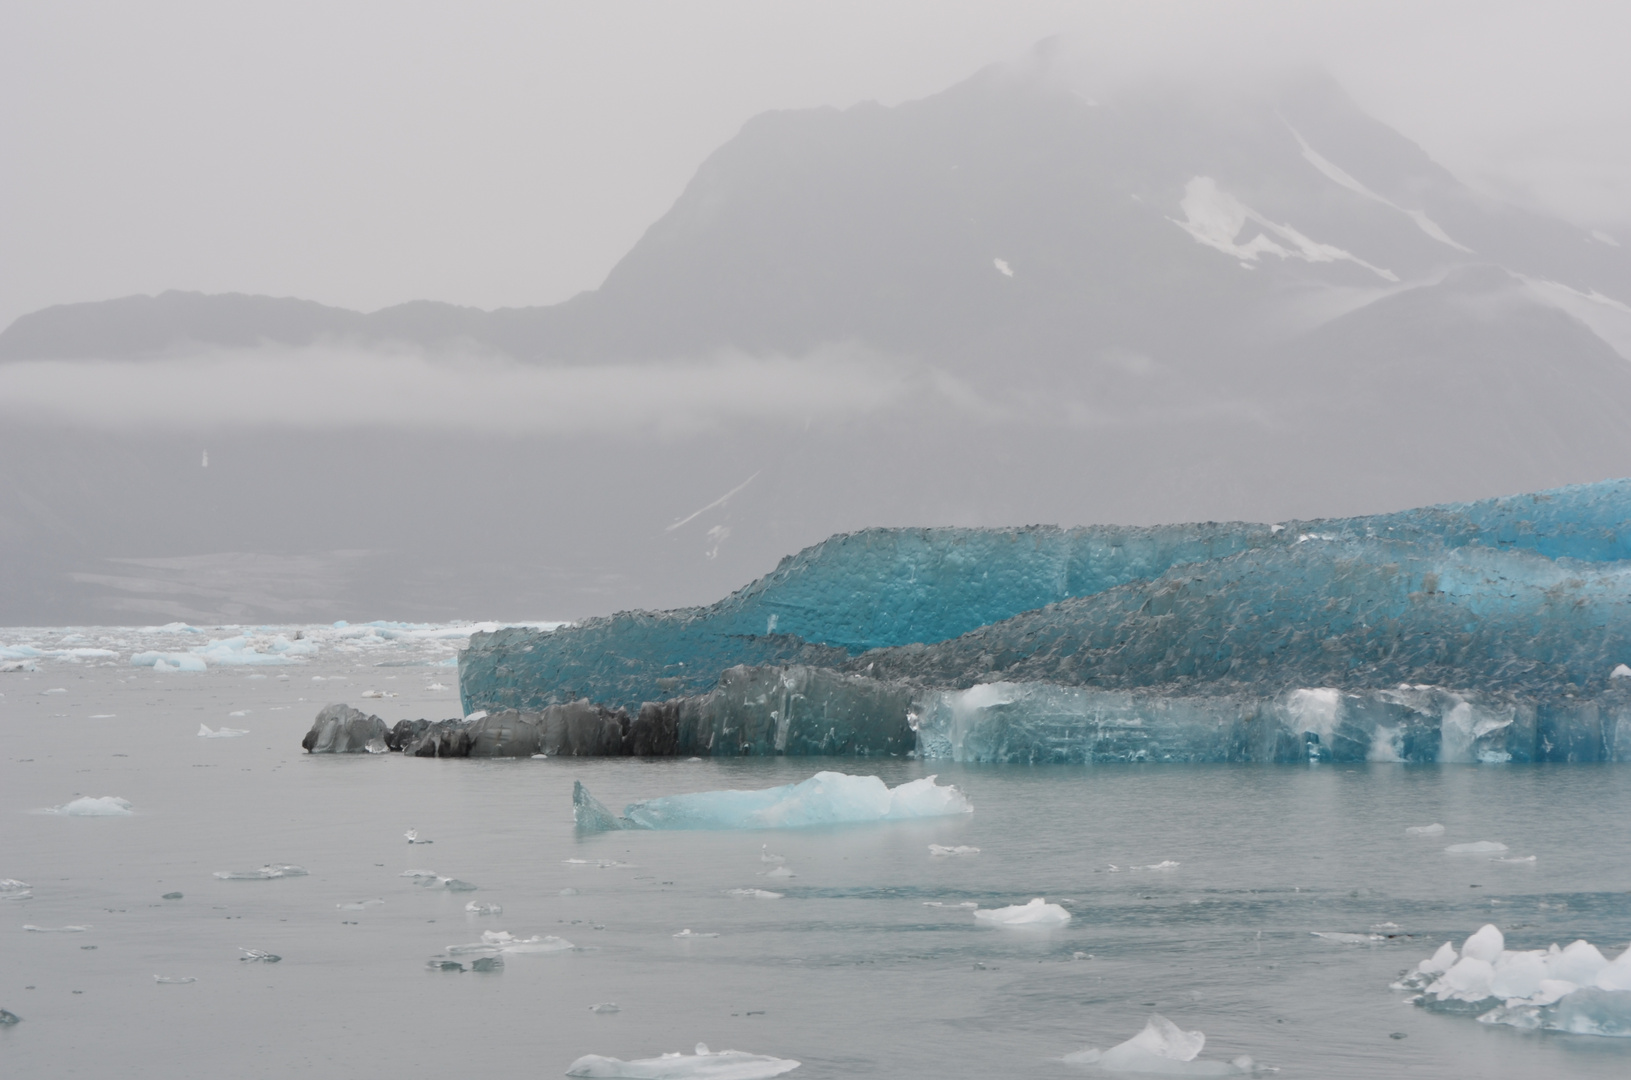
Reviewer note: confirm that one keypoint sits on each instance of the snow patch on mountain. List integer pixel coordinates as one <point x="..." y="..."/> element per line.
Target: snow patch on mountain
<point x="1216" y="218"/>
<point x="1335" y="173"/>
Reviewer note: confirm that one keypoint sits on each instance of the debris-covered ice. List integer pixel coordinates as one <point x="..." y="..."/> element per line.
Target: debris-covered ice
<point x="1036" y="913"/>
<point x="827" y="798"/>
<point x="1162" y="1048"/>
<point x="1572" y="989"/>
<point x="264" y="873"/>
<point x="703" y="1065"/>
<point x="86" y="806"/>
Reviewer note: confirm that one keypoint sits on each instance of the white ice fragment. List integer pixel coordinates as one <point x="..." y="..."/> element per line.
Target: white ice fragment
<point x="55" y="929"/>
<point x="1002" y="267"/>
<point x="242" y="712"/>
<point x="359" y="905"/>
<point x="604" y="1008"/>
<point x="418" y="874"/>
<point x="1616" y="974"/>
<point x="689" y="933"/>
<point x="1579" y="963"/>
<point x="944" y="850"/>
<point x="778" y="872"/>
<point x="1347" y="938"/>
<point x="258" y="956"/>
<point x="1434" y="829"/>
<point x="1036" y="913"/>
<point x="85" y="806"/>
<point x="1485" y="945"/>
<point x="220" y="733"/>
<point x="754" y="894"/>
<point x="1162" y="1049"/>
<point x="377" y="694"/>
<point x="705" y="1065"/>
<point x="1164" y="864"/>
<point x="173" y="980"/>
<point x="827" y="798"/>
<point x="1477" y="847"/>
<point x="1440" y="962"/>
<point x="264" y="873"/>
<point x="477" y="908"/>
<point x="55" y="690"/>
<point x="1514" y="859"/>
<point x="412" y="836"/>
<point x="437" y="686"/>
<point x="766" y="855"/>
<point x="1621" y="671"/>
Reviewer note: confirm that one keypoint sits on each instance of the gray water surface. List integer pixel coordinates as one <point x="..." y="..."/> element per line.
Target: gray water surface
<point x="850" y="972"/>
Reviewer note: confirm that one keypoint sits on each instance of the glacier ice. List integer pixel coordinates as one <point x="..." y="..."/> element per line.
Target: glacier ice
<point x="86" y="806"/>
<point x="704" y="1065"/>
<point x="1036" y="913"/>
<point x="1574" y="989"/>
<point x="264" y="873"/>
<point x="1162" y="1048"/>
<point x="827" y="798"/>
<point x="1482" y="632"/>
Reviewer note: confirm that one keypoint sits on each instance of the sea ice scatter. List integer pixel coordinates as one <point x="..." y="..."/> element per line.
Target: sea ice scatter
<point x="1036" y="913"/>
<point x="85" y="806"/>
<point x="1164" y="1049"/>
<point x="704" y="1065"/>
<point x="1573" y="989"/>
<point x="827" y="798"/>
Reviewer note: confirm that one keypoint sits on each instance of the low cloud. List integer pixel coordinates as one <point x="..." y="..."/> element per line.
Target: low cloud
<point x="332" y="386"/>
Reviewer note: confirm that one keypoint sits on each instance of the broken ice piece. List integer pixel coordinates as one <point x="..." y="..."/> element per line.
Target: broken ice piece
<point x="258" y="956"/>
<point x="778" y="872"/>
<point x="173" y="980"/>
<point x="1347" y="939"/>
<point x="1434" y="829"/>
<point x="85" y="806"/>
<point x="265" y="873"/>
<point x="220" y="733"/>
<point x="487" y="963"/>
<point x="477" y="908"/>
<point x="689" y="933"/>
<point x="444" y="965"/>
<point x="604" y="1008"/>
<point x="960" y="849"/>
<point x="1036" y="913"/>
<point x="55" y="929"/>
<point x="418" y="874"/>
<point x="754" y="894"/>
<point x="1162" y="1048"/>
<point x="359" y="905"/>
<point x="1515" y="859"/>
<point x="706" y="1065"/>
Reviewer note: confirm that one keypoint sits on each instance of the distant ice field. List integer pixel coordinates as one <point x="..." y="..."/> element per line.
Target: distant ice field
<point x="1195" y="892"/>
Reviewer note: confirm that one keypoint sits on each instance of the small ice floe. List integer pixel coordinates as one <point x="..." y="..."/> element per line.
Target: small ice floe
<point x="754" y="894"/>
<point x="413" y="837"/>
<point x="604" y="1008"/>
<point x="17" y="665"/>
<point x="173" y="980"/>
<point x="705" y="1065"/>
<point x="1347" y="939"/>
<point x="220" y="733"/>
<point x="689" y="933"/>
<point x="55" y="929"/>
<point x="778" y="872"/>
<point x="12" y="889"/>
<point x="418" y="873"/>
<point x="1165" y="1049"/>
<point x="766" y="855"/>
<point x="502" y="941"/>
<point x="55" y="690"/>
<point x="451" y="884"/>
<point x="1573" y="989"/>
<point x="1164" y="864"/>
<point x="264" y="873"/>
<point x="1621" y="671"/>
<point x="939" y="903"/>
<point x="475" y="907"/>
<point x="257" y="956"/>
<point x="103" y="716"/>
<point x="85" y="806"/>
<point x="1477" y="847"/>
<point x="941" y="850"/>
<point x="1036" y="913"/>
<point x="378" y="694"/>
<point x="242" y="712"/>
<point x="437" y="686"/>
<point x="1514" y="859"/>
<point x="827" y="798"/>
<point x="1435" y="829"/>
<point x="567" y="892"/>
<point x="359" y="905"/>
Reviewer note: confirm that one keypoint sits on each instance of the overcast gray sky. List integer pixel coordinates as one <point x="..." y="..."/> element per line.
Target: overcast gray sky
<point x="367" y="153"/>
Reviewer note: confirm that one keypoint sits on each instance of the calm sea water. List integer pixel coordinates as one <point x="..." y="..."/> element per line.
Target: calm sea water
<point x="851" y="972"/>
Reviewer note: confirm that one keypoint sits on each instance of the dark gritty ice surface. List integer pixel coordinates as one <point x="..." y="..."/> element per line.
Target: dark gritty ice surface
<point x="851" y="971"/>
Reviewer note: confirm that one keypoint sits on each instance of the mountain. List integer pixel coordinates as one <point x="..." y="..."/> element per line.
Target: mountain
<point x="1171" y="303"/>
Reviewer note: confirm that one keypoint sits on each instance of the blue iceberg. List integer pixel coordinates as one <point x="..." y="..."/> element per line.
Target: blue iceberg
<point x="827" y="798"/>
<point x="1487" y="632"/>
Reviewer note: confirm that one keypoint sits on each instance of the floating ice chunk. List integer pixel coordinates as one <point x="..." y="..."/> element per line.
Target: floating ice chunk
<point x="418" y="874"/>
<point x="689" y="933"/>
<point x="827" y="798"/>
<point x="451" y="884"/>
<point x="264" y="873"/>
<point x="1164" y="1049"/>
<point x="1477" y="847"/>
<point x="1485" y="945"/>
<point x="17" y="665"/>
<point x="359" y="905"/>
<point x="55" y="929"/>
<point x="960" y="849"/>
<point x="567" y="892"/>
<point x="477" y="908"/>
<point x="1347" y="939"/>
<point x="377" y="694"/>
<point x="1439" y="962"/>
<point x="754" y="894"/>
<point x="437" y="686"/>
<point x="85" y="806"/>
<point x="1036" y="913"/>
<point x="1435" y="829"/>
<point x="413" y="837"/>
<point x="173" y="980"/>
<point x="1621" y="671"/>
<point x="604" y="1008"/>
<point x="705" y="1065"/>
<point x="55" y="690"/>
<point x="778" y="872"/>
<point x="10" y="886"/>
<point x="940" y="903"/>
<point x="220" y="733"/>
<point x="162" y="661"/>
<point x="1574" y="989"/>
<point x="1579" y="963"/>
<point x="257" y="956"/>
<point x="1515" y="859"/>
<point x="1164" y="864"/>
<point x="502" y="941"/>
<point x="1615" y="975"/>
